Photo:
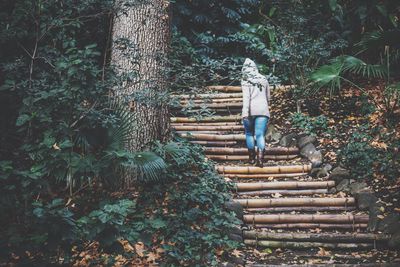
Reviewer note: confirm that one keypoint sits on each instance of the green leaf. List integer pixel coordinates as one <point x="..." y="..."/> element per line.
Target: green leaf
<point x="22" y="119"/>
<point x="149" y="165"/>
<point x="382" y="9"/>
<point x="271" y="11"/>
<point x="394" y="20"/>
<point x="333" y="5"/>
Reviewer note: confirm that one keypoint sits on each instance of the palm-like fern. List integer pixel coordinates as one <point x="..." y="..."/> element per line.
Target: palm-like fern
<point x="357" y="66"/>
<point x="332" y="74"/>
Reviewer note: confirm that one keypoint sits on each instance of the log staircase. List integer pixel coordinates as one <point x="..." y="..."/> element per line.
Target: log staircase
<point x="283" y="206"/>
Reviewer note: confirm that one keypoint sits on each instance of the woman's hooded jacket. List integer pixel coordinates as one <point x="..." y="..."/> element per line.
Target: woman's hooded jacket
<point x="256" y="92"/>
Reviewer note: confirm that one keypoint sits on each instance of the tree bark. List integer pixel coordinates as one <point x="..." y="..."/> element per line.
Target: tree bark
<point x="141" y="37"/>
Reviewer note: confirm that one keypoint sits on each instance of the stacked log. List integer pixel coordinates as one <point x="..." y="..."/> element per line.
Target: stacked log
<point x="264" y="176"/>
<point x="295" y="202"/>
<point x="336" y="226"/>
<point x="284" y="185"/>
<point x="320" y="237"/>
<point x="300" y="245"/>
<point x="305" y="218"/>
<point x="243" y="157"/>
<point x="234" y="118"/>
<point x="265" y="170"/>
<point x="244" y="151"/>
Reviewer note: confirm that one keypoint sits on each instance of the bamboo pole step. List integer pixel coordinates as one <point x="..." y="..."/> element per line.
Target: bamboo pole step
<point x="304" y="245"/>
<point x="207" y="119"/>
<point x="295" y="202"/>
<point x="243" y="157"/>
<point x="224" y="88"/>
<point x="208" y="128"/>
<point x="305" y="218"/>
<point x="210" y="100"/>
<point x="284" y="185"/>
<point x="213" y="137"/>
<point x="208" y="96"/>
<point x="319" y="237"/>
<point x="300" y="209"/>
<point x="265" y="170"/>
<point x="244" y="151"/>
<point x="337" y="226"/>
<point x="214" y="143"/>
<point x="264" y="176"/>
<point x="208" y="132"/>
<point x="214" y="105"/>
<point x="232" y="123"/>
<point x="285" y="192"/>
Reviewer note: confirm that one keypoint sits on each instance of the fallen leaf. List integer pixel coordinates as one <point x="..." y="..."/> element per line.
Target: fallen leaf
<point x="323" y="252"/>
<point x="276" y="195"/>
<point x="237" y="253"/>
<point x="56" y="147"/>
<point x="139" y="247"/>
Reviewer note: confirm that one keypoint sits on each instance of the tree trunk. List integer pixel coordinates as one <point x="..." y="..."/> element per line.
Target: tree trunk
<point x="141" y="37"/>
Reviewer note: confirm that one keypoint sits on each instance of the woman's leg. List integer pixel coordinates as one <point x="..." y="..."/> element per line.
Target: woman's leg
<point x="260" y="126"/>
<point x="249" y="131"/>
<point x="248" y="124"/>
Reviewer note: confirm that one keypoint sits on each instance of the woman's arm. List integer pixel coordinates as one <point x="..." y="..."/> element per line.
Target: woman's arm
<point x="246" y="100"/>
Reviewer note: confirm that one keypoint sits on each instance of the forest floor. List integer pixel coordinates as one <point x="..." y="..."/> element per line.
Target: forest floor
<point x="345" y="116"/>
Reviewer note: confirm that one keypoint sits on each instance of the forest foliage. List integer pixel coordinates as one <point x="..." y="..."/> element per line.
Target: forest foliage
<point x="62" y="135"/>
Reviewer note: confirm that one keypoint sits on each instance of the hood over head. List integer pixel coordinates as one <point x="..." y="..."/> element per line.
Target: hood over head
<point x="249" y="67"/>
<point x="250" y="73"/>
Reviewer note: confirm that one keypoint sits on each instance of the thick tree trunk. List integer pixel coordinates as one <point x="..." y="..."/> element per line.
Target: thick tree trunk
<point x="141" y="36"/>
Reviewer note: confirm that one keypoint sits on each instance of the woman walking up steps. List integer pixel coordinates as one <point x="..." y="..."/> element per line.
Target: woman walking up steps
<point x="255" y="112"/>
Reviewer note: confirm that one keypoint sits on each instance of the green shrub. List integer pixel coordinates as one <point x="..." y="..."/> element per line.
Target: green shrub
<point x="308" y="124"/>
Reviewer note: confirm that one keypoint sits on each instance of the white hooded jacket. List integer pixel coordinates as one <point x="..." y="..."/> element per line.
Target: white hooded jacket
<point x="256" y="92"/>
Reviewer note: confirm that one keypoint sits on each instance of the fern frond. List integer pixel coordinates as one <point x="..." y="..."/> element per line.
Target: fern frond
<point x="357" y="66"/>
<point x="176" y="151"/>
<point x="149" y="166"/>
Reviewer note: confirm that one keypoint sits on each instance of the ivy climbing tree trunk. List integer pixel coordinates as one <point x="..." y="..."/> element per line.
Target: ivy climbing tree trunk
<point x="141" y="37"/>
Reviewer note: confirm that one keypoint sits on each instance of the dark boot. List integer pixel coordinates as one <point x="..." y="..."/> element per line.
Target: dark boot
<point x="260" y="158"/>
<point x="252" y="156"/>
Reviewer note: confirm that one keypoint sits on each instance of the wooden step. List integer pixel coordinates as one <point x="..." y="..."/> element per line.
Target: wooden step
<point x="295" y="202"/>
<point x="336" y="226"/>
<point x="318" y="237"/>
<point x="228" y="88"/>
<point x="264" y="176"/>
<point x="232" y="118"/>
<point x="213" y="137"/>
<point x="244" y="151"/>
<point x="231" y="123"/>
<point x="244" y="158"/>
<point x="213" y="105"/>
<point x="208" y="96"/>
<point x="305" y="218"/>
<point x="304" y="245"/>
<point x="265" y="170"/>
<point x="208" y="128"/>
<point x="305" y="209"/>
<point x="283" y="192"/>
<point x="284" y="185"/>
<point x="210" y="100"/>
<point x="214" y="143"/>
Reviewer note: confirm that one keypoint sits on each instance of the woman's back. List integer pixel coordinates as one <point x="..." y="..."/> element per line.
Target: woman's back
<point x="256" y="92"/>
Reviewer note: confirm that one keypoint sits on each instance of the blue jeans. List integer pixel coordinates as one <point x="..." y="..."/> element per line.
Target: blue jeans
<point x="255" y="126"/>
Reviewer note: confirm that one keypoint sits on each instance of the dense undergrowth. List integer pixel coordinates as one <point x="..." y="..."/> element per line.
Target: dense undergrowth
<point x="62" y="136"/>
<point x="63" y="148"/>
